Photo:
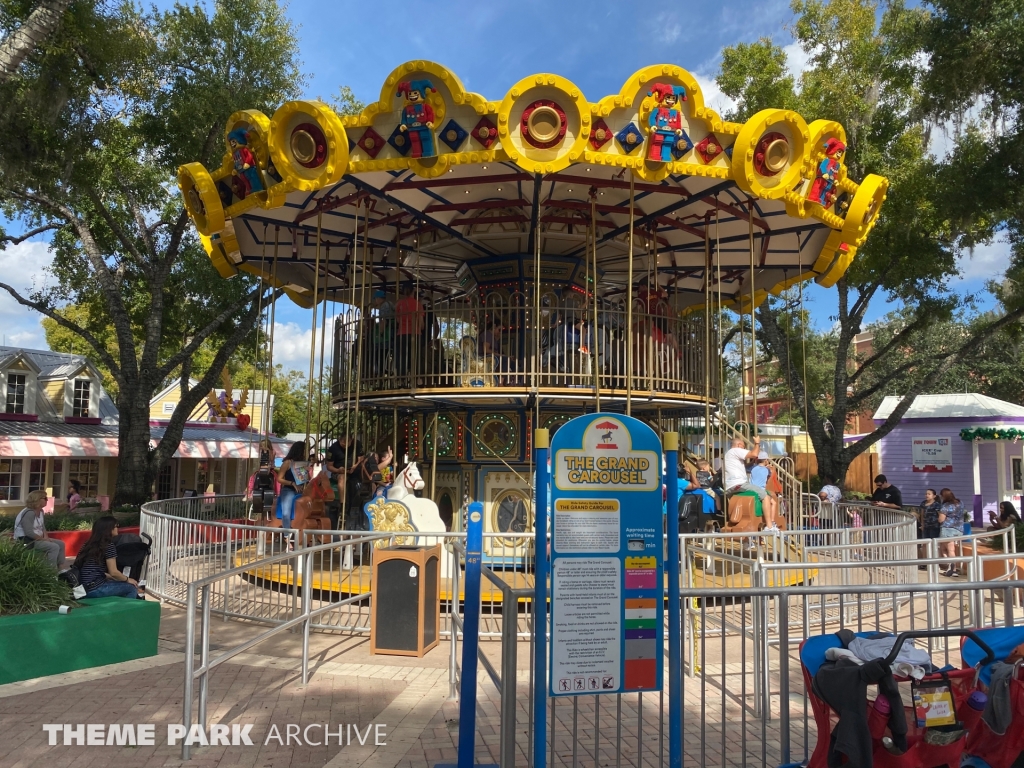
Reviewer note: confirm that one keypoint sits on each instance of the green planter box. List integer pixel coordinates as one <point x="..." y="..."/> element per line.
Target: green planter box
<point x="104" y="631"/>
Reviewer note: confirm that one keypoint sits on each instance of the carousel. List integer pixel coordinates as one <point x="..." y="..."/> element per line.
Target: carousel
<point x="497" y="266"/>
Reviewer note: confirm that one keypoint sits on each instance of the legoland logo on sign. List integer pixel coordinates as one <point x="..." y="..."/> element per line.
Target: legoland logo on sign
<point x="606" y="459"/>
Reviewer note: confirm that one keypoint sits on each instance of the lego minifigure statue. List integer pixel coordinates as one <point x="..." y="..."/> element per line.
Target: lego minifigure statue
<point x="666" y="121"/>
<point x="823" y="188"/>
<point x="245" y="170"/>
<point x="417" y="117"/>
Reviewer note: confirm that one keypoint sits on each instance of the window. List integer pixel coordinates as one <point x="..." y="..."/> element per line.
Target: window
<point x="37" y="475"/>
<point x="10" y="479"/>
<point x="15" y="393"/>
<point x="60" y="488"/>
<point x="202" y="475"/>
<point x="165" y="482"/>
<point x="86" y="472"/>
<point x="169" y="407"/>
<point x="80" y="404"/>
<point x="1015" y="472"/>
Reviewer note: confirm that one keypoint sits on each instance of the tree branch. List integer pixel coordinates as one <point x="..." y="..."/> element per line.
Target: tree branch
<point x="43" y="309"/>
<point x="192" y="397"/>
<point x="30" y="234"/>
<point x="919" y="322"/>
<point x="198" y="338"/>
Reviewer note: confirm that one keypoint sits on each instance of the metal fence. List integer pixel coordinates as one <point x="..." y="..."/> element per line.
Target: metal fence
<point x="509" y="346"/>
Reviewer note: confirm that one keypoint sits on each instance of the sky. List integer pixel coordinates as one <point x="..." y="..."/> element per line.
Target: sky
<point x="491" y="46"/>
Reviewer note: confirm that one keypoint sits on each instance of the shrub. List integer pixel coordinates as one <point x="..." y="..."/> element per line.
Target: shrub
<point x="28" y="583"/>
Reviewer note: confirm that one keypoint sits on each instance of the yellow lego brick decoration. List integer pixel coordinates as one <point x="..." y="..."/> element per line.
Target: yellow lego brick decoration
<point x="544" y="125"/>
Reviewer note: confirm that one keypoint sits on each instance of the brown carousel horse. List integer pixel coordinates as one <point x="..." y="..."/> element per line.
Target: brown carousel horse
<point x="310" y="513"/>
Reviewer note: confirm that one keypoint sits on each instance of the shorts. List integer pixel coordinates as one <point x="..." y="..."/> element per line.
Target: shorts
<point x="949" y="533"/>
<point x="762" y="494"/>
<point x="930" y="532"/>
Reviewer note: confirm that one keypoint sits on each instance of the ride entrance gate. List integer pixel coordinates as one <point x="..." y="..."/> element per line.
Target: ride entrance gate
<point x="606" y="563"/>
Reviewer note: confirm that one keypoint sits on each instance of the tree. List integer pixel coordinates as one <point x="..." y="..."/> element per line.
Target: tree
<point x="865" y="71"/>
<point x="132" y="281"/>
<point x="18" y="42"/>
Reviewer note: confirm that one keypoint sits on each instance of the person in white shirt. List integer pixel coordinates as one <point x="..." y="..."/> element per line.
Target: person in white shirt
<point x="30" y="530"/>
<point x="736" y="479"/>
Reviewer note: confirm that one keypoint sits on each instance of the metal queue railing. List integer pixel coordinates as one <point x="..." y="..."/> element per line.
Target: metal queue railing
<point x="189" y="543"/>
<point x="470" y="347"/>
<point x="201" y="596"/>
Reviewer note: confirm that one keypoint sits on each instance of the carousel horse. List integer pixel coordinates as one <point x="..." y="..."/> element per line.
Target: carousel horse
<point x="423" y="515"/>
<point x="477" y="370"/>
<point x="309" y="507"/>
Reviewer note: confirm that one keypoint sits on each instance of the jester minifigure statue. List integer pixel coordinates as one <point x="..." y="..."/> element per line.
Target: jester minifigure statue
<point x="245" y="170"/>
<point x="666" y="121"/>
<point x="823" y="188"/>
<point x="417" y="117"/>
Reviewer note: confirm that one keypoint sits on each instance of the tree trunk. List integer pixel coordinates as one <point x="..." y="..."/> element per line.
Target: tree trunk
<point x="136" y="472"/>
<point x="40" y="24"/>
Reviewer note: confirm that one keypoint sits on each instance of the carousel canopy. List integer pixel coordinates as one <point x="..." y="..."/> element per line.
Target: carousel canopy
<point x="436" y="186"/>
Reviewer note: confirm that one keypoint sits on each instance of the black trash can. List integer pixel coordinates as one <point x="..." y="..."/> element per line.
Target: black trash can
<point x="406" y="605"/>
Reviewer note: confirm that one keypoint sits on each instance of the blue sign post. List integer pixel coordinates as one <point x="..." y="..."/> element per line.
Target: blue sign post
<point x="675" y="669"/>
<point x="607" y="566"/>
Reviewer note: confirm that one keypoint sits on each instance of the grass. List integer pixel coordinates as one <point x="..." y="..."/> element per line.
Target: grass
<point x="28" y="583"/>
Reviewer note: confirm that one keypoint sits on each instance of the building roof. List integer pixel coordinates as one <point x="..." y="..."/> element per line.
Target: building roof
<point x="58" y="365"/>
<point x="961" y="406"/>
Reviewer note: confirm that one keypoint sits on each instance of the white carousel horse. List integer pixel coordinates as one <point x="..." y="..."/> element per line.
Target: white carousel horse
<point x="423" y="513"/>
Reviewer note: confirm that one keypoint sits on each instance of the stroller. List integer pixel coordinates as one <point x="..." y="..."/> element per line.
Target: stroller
<point x="927" y="747"/>
<point x="133" y="554"/>
<point x="984" y="746"/>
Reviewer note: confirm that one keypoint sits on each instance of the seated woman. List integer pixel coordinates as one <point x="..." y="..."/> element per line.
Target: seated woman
<point x="1008" y="517"/>
<point x="30" y="530"/>
<point x="97" y="563"/>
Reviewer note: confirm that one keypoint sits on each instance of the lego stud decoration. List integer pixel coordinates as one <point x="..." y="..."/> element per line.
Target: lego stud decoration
<point x="308" y="145"/>
<point x="600" y="135"/>
<point x="371" y="143"/>
<point x="485" y="132"/>
<point x="453" y="135"/>
<point x="417" y="117"/>
<point x="629" y="138"/>
<point x="666" y="122"/>
<point x="202" y="200"/>
<point x="709" y="149"/>
<point x="823" y="189"/>
<point x="771" y="154"/>
<point x="543" y="124"/>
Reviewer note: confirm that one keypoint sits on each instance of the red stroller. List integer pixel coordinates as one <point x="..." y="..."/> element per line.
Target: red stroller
<point x="926" y="747"/>
<point x="984" y="746"/>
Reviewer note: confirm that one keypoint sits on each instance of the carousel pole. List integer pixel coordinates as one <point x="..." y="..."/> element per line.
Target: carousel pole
<point x="323" y="337"/>
<point x="753" y="330"/>
<point x="718" y="341"/>
<point x="594" y="336"/>
<point x="629" y="305"/>
<point x="707" y="339"/>
<point x="312" y="341"/>
<point x="362" y="305"/>
<point x="353" y="253"/>
<point x="265" y="420"/>
<point x="433" y="465"/>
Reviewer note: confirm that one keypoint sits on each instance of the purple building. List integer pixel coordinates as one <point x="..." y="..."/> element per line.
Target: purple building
<point x="967" y="443"/>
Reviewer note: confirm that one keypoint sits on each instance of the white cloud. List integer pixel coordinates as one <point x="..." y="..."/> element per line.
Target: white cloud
<point x="797" y="59"/>
<point x="292" y="342"/>
<point x="713" y="96"/>
<point x="23" y="267"/>
<point x="986" y="262"/>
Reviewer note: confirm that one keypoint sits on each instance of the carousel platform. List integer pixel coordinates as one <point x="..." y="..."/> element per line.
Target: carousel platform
<point x="329" y="576"/>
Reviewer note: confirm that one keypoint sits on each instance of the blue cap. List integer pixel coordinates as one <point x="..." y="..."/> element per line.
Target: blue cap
<point x="378" y="294"/>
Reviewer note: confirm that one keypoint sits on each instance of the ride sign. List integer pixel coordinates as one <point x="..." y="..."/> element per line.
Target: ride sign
<point x="607" y="582"/>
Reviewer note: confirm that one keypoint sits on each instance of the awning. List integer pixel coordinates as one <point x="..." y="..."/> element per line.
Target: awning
<point x="224" y="449"/>
<point x="25" y="446"/>
<point x="46" y="446"/>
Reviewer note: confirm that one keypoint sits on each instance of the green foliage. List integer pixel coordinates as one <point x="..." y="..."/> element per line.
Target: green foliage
<point x="290" y="394"/>
<point x="94" y="127"/>
<point x="28" y="583"/>
<point x="80" y="520"/>
<point x="866" y="65"/>
<point x="346" y="103"/>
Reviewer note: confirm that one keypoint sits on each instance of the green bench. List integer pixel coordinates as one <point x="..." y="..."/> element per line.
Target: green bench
<point x="103" y="631"/>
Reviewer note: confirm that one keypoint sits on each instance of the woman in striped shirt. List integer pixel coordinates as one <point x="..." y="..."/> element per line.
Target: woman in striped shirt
<point x="97" y="563"/>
